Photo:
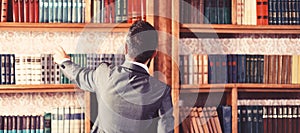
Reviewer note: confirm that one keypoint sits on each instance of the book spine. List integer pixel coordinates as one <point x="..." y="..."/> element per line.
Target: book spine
<point x="65" y="11"/>
<point x="4" y="10"/>
<point x="54" y="121"/>
<point x="59" y="11"/>
<point x="54" y="11"/>
<point x="27" y="10"/>
<point x="41" y="10"/>
<point x="21" y="10"/>
<point x="47" y="122"/>
<point x="67" y="116"/>
<point x="60" y="119"/>
<point x="229" y="68"/>
<point x="46" y="11"/>
<point x="74" y="11"/>
<point x="70" y="11"/>
<point x="31" y="8"/>
<point x="51" y="11"/>
<point x="33" y="124"/>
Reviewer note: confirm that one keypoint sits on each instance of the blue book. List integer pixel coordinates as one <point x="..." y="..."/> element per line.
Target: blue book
<point x="54" y="11"/>
<point x="225" y="117"/>
<point x="47" y="123"/>
<point x="51" y="11"/>
<point x="65" y="11"/>
<point x="211" y="69"/>
<point x="223" y="69"/>
<point x="260" y="124"/>
<point x="241" y="75"/>
<point x="234" y="68"/>
<point x="59" y="11"/>
<point x="41" y="11"/>
<point x="229" y="68"/>
<point x="46" y="11"/>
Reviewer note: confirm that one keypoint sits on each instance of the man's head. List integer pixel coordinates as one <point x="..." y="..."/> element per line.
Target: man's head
<point x="141" y="41"/>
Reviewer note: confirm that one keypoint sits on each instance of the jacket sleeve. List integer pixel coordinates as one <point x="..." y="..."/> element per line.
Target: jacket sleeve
<point x="166" y="121"/>
<point x="85" y="78"/>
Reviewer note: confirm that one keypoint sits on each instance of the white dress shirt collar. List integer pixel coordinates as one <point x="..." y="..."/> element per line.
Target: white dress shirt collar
<point x="140" y="64"/>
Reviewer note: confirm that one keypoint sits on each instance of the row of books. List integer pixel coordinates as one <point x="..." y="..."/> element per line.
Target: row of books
<point x="41" y="69"/>
<point x="60" y="119"/>
<point x="205" y="11"/>
<point x="19" y="124"/>
<point x="282" y="119"/>
<point x="43" y="11"/>
<point x="117" y="11"/>
<point x="206" y="119"/>
<point x="65" y="119"/>
<point x="269" y="69"/>
<point x="264" y="12"/>
<point x="62" y="11"/>
<point x="92" y="61"/>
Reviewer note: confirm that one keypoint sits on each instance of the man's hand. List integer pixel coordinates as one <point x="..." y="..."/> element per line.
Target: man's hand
<point x="60" y="55"/>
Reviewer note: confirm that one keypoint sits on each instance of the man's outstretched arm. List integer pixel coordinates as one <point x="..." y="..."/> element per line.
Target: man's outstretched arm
<point x="83" y="77"/>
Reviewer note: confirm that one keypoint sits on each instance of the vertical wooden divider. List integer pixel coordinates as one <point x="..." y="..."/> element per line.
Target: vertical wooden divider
<point x="233" y="12"/>
<point x="175" y="62"/>
<point x="87" y="115"/>
<point x="234" y="113"/>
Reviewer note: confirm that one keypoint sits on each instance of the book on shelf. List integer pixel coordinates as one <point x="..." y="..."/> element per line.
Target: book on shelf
<point x="268" y="69"/>
<point x="200" y="119"/>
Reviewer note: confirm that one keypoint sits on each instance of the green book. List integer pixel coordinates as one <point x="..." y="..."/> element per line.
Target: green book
<point x="47" y="123"/>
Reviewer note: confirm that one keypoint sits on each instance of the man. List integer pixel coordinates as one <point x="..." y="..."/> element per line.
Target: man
<point x="129" y="99"/>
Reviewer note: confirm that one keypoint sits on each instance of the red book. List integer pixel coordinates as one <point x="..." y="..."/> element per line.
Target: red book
<point x="36" y="11"/>
<point x="259" y="12"/>
<point x="265" y="12"/>
<point x="129" y="11"/>
<point x="26" y="10"/>
<point x="112" y="11"/>
<point x="21" y="10"/>
<point x="31" y="11"/>
<point x="143" y="10"/>
<point x="15" y="6"/>
<point x="107" y="12"/>
<point x="3" y="10"/>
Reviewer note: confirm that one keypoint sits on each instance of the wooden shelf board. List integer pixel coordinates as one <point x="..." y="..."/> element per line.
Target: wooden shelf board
<point x="290" y="88"/>
<point x="206" y="88"/>
<point x="39" y="88"/>
<point x="229" y="28"/>
<point x="76" y="27"/>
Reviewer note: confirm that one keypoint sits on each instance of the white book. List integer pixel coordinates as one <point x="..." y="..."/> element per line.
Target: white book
<point x="61" y="124"/>
<point x="54" y="121"/>
<point x="67" y="117"/>
<point x="82" y="122"/>
<point x="18" y="71"/>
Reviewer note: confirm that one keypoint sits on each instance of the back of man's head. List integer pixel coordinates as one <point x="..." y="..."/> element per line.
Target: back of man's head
<point x="142" y="41"/>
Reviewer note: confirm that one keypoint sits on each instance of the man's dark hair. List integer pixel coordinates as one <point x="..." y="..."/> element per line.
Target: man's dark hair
<point x="142" y="41"/>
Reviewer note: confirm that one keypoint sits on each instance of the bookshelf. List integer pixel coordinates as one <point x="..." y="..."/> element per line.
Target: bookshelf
<point x="234" y="90"/>
<point x="165" y="17"/>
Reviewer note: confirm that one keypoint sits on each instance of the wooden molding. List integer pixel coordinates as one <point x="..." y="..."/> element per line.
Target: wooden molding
<point x="65" y="27"/>
<point x="39" y="88"/>
<point x="242" y="29"/>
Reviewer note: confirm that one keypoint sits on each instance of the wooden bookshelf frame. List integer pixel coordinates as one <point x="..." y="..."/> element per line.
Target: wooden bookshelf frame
<point x="65" y="27"/>
<point x="240" y="29"/>
<point x="234" y="89"/>
<point x="39" y="88"/>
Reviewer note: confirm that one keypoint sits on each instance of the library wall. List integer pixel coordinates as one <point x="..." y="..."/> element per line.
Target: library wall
<point x="35" y="42"/>
<point x="246" y="44"/>
<point x="38" y="103"/>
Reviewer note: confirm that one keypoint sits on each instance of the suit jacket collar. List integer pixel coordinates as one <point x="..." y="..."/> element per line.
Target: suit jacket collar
<point x="134" y="67"/>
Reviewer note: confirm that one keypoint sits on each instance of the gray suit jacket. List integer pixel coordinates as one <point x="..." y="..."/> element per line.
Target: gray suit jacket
<point x="129" y="99"/>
